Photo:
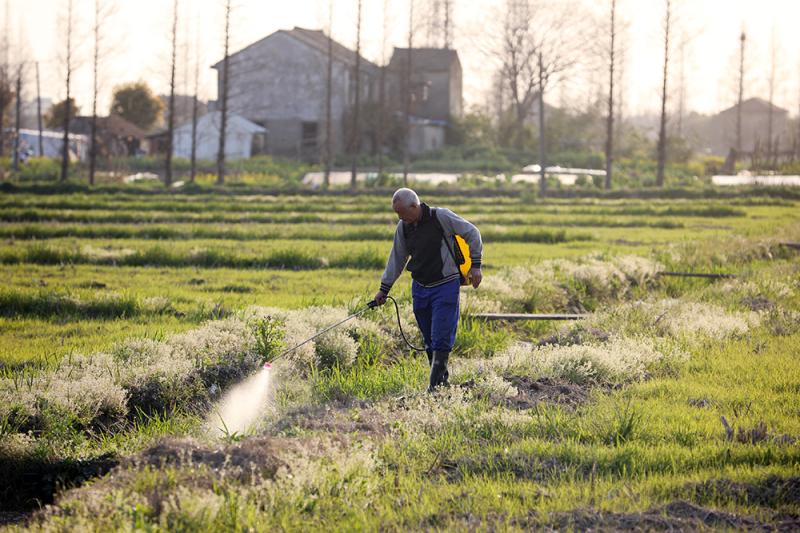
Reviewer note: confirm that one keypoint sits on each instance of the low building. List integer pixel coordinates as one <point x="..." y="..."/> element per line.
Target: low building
<point x="52" y="143"/>
<point x="243" y="139"/>
<point x="116" y="137"/>
<point x="721" y="134"/>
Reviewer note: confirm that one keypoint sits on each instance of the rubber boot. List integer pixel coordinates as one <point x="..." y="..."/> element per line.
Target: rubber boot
<point x="439" y="373"/>
<point x="430" y="357"/>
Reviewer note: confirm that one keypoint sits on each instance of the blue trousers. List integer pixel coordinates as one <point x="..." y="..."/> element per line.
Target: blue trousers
<point x="436" y="311"/>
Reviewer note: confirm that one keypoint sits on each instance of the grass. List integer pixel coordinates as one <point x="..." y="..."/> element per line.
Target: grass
<point x="527" y="437"/>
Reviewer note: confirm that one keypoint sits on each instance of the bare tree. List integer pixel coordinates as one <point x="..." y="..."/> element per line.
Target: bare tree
<point x="17" y="118"/>
<point x="681" y="84"/>
<point x="448" y="23"/>
<point x="408" y="94"/>
<point x="193" y="155"/>
<point x="610" y="118"/>
<point x="662" y="131"/>
<point x="103" y="10"/>
<point x="171" y="105"/>
<point x="771" y="84"/>
<point x="39" y="112"/>
<point x="5" y="78"/>
<point x="535" y="47"/>
<point x="326" y="182"/>
<point x="355" y="143"/>
<point x="68" y="67"/>
<point x="382" y="88"/>
<point x="739" y="100"/>
<point x="224" y="96"/>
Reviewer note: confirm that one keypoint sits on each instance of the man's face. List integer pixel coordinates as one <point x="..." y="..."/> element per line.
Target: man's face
<point x="408" y="214"/>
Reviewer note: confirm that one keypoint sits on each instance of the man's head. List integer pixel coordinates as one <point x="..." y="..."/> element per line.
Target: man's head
<point x="405" y="203"/>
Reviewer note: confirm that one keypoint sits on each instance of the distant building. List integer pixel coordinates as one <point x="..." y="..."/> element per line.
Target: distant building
<point x="280" y="83"/>
<point x="436" y="93"/>
<point x="721" y="134"/>
<point x="243" y="139"/>
<point x="52" y="143"/>
<point x="116" y="137"/>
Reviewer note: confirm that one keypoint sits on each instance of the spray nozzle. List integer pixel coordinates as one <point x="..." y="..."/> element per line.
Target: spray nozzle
<point x="372" y="305"/>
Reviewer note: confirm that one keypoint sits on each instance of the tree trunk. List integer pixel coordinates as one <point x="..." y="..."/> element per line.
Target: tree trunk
<point x="770" y="115"/>
<point x="381" y="117"/>
<point x="224" y="109"/>
<point x="408" y="96"/>
<point x="610" y="119"/>
<point x="193" y="154"/>
<point x="326" y="182"/>
<point x="171" y="110"/>
<point x="17" y="119"/>
<point x="93" y="127"/>
<point x="742" y="39"/>
<point x="39" y="112"/>
<point x="662" y="132"/>
<point x="356" y="139"/>
<point x="542" y="136"/>
<point x="65" y="142"/>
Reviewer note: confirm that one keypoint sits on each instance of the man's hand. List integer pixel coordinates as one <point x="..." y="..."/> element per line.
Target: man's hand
<point x="380" y="298"/>
<point x="475" y="276"/>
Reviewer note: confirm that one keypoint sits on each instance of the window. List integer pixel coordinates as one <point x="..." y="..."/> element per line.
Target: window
<point x="309" y="135"/>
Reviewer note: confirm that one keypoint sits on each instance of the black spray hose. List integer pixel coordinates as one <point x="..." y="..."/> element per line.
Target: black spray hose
<point x="371" y="305"/>
<point x="399" y="325"/>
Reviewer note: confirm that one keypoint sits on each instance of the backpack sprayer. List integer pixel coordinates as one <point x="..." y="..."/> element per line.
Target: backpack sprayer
<point x="371" y="305"/>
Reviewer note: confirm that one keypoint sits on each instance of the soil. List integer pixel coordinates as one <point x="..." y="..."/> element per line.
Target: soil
<point x="772" y="491"/>
<point x="251" y="457"/>
<point x="758" y="303"/>
<point x="576" y="336"/>
<point x="30" y="482"/>
<point x="676" y="516"/>
<point x="342" y="420"/>
<point x="546" y="390"/>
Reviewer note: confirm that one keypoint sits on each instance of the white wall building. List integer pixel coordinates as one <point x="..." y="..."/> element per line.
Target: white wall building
<point x="243" y="138"/>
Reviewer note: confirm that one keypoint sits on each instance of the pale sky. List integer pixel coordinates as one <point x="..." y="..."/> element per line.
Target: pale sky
<point x="139" y="35"/>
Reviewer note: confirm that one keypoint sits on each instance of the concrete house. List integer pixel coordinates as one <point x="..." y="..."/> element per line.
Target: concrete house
<point x="280" y="84"/>
<point x="721" y="133"/>
<point x="436" y="89"/>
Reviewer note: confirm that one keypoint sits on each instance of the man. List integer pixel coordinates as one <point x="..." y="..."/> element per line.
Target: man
<point x="425" y="235"/>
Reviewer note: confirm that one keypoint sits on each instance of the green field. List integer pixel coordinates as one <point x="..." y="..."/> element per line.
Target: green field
<point x="125" y="317"/>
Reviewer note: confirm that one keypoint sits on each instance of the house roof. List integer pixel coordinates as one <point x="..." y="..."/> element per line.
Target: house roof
<point x="755" y="105"/>
<point x="114" y="124"/>
<point x="317" y="40"/>
<point x="425" y="59"/>
<point x="235" y="122"/>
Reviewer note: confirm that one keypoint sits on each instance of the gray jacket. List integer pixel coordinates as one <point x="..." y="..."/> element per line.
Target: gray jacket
<point x="451" y="224"/>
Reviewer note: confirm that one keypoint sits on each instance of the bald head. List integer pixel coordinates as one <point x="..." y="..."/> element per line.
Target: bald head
<point x="405" y="203"/>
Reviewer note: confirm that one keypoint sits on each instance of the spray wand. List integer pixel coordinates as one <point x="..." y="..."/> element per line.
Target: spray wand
<point x="371" y="305"/>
